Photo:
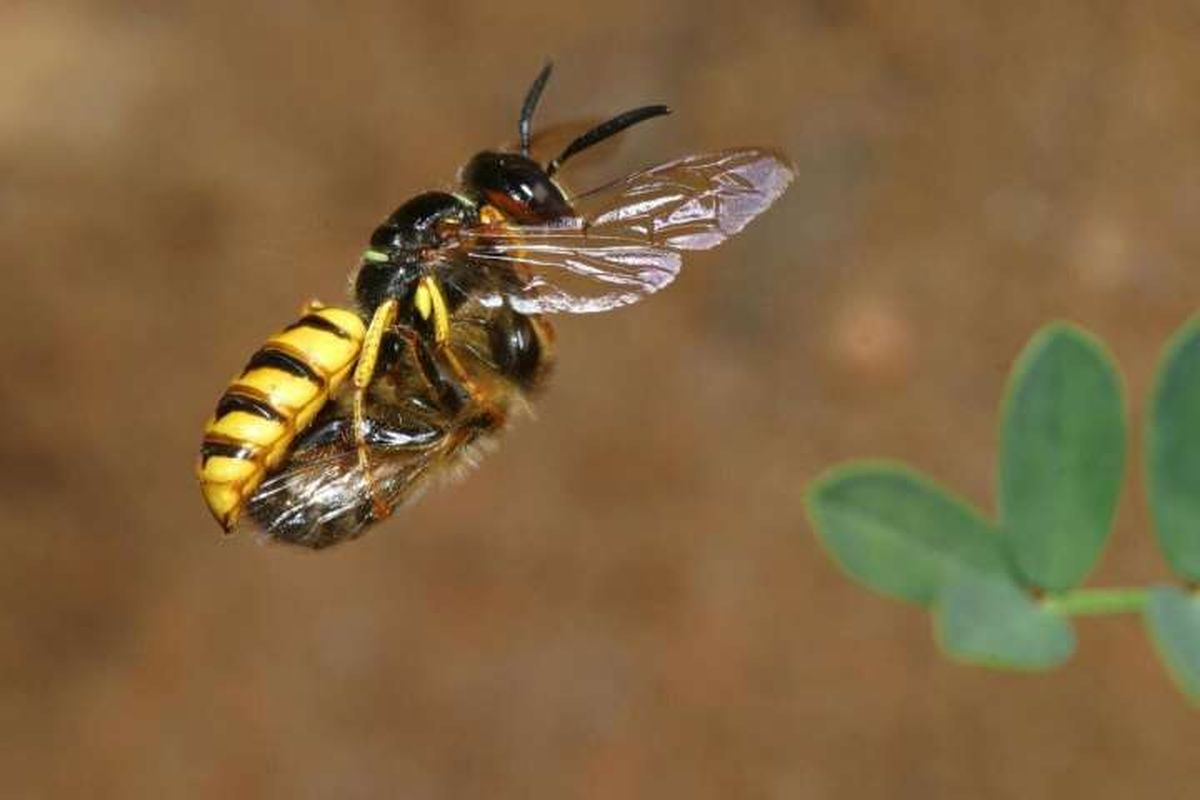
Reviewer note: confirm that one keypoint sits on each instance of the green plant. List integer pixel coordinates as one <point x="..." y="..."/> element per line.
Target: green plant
<point x="1003" y="592"/>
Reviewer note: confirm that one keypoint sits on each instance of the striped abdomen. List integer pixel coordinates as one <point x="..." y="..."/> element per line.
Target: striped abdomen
<point x="275" y="398"/>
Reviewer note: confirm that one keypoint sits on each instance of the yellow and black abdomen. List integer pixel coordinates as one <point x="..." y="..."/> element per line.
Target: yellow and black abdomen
<point x="274" y="399"/>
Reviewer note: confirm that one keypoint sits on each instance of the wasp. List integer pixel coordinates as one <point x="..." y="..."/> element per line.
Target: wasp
<point x="349" y="412"/>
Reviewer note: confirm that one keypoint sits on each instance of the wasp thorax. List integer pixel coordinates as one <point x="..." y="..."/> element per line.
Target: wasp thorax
<point x="398" y="246"/>
<point x="418" y="223"/>
<point x="516" y="185"/>
<point x="380" y="281"/>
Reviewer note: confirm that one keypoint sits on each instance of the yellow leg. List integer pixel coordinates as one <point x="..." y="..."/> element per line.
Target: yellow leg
<point x="430" y="303"/>
<point x="364" y="371"/>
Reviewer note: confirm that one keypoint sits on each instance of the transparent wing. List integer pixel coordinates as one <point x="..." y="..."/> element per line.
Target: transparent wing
<point x="556" y="269"/>
<point x="627" y="239"/>
<point x="321" y="495"/>
<point x="693" y="203"/>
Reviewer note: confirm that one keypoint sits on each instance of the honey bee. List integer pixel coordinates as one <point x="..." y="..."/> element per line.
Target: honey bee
<point x="347" y="413"/>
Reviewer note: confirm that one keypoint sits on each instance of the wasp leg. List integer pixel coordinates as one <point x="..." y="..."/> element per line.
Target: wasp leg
<point x="311" y="306"/>
<point x="364" y="371"/>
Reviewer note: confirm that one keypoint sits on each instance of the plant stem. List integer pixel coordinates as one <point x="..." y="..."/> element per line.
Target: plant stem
<point x="1086" y="602"/>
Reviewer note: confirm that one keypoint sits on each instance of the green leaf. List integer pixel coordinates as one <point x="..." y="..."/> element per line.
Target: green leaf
<point x="898" y="533"/>
<point x="994" y="623"/>
<point x="1173" y="452"/>
<point x="1062" y="456"/>
<point x="1173" y="619"/>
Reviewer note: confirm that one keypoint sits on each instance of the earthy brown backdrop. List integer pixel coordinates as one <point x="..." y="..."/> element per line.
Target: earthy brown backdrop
<point x="626" y="600"/>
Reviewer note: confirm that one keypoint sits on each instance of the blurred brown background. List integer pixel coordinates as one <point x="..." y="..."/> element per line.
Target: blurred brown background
<point x="626" y="599"/>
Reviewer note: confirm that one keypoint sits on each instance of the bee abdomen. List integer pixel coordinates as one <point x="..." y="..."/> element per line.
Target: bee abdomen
<point x="284" y="385"/>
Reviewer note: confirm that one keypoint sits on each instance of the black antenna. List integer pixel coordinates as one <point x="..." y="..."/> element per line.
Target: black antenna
<point x="604" y="130"/>
<point x="530" y="105"/>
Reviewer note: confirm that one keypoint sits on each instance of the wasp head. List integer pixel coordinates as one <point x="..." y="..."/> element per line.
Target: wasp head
<point x="516" y="185"/>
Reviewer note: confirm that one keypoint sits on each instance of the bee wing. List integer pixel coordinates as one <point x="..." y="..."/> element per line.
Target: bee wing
<point x="321" y="495"/>
<point x="627" y="239"/>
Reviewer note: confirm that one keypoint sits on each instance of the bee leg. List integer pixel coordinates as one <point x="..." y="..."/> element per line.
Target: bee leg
<point x="430" y="303"/>
<point x="311" y="306"/>
<point x="364" y="371"/>
<point x="435" y="382"/>
<point x="484" y="408"/>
